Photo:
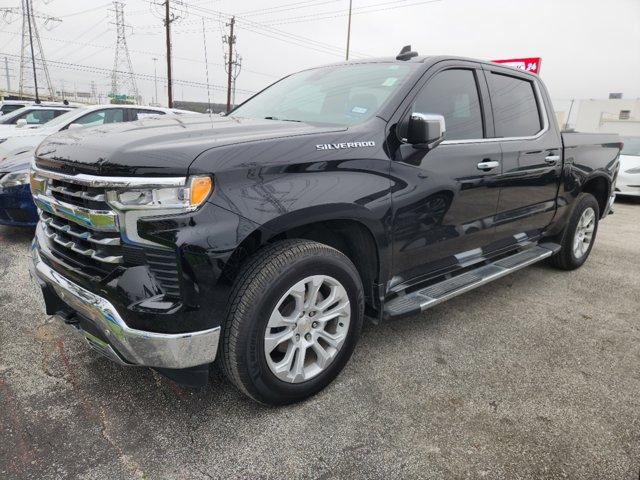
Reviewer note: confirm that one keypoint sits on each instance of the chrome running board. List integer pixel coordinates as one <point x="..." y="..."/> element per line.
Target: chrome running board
<point x="420" y="300"/>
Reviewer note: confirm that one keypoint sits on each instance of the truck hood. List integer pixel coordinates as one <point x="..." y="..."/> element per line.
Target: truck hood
<point x="157" y="146"/>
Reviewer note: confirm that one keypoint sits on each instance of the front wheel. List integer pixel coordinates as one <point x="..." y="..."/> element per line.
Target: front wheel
<point x="294" y="316"/>
<point x="579" y="234"/>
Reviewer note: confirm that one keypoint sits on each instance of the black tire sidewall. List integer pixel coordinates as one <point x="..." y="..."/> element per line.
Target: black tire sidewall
<point x="262" y="383"/>
<point x="585" y="201"/>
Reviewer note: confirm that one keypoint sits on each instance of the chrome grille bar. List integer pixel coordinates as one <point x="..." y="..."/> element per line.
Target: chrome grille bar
<point x="99" y="220"/>
<point x="89" y="237"/>
<point x="79" y="194"/>
<point x="87" y="252"/>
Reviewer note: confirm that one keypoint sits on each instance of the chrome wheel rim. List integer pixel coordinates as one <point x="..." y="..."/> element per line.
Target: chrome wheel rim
<point x="307" y="328"/>
<point x="584" y="232"/>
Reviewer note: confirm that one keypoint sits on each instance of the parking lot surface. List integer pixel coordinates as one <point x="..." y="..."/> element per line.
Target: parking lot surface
<point x="536" y="375"/>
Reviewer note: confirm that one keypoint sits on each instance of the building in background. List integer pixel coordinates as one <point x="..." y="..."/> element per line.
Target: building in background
<point x="612" y="115"/>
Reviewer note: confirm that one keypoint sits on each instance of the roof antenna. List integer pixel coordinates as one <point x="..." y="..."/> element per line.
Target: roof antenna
<point x="406" y="53"/>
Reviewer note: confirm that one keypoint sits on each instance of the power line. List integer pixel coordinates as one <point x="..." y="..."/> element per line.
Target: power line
<point x="140" y="76"/>
<point x="356" y="11"/>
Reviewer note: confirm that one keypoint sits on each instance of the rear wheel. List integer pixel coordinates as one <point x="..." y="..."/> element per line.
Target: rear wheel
<point x="579" y="235"/>
<point x="294" y="317"/>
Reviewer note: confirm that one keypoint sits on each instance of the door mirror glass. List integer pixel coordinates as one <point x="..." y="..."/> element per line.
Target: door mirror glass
<point x="21" y="122"/>
<point x="425" y="130"/>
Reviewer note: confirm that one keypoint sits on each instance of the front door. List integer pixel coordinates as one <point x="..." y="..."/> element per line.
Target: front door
<point x="445" y="200"/>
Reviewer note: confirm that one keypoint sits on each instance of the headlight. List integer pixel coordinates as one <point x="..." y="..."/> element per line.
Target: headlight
<point x="186" y="198"/>
<point x="15" y="179"/>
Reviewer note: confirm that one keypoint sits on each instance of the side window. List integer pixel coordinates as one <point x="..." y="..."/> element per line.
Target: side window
<point x="38" y="117"/>
<point x="100" y="117"/>
<point x="454" y="95"/>
<point x="140" y="114"/>
<point x="515" y="108"/>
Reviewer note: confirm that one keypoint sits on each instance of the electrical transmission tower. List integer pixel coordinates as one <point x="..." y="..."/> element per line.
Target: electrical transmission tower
<point x="32" y="56"/>
<point x="123" y="81"/>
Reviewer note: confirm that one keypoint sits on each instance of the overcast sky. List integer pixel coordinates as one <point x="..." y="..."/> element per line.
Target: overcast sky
<point x="588" y="47"/>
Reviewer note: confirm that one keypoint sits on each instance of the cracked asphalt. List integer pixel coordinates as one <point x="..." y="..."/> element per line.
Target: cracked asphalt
<point x="533" y="376"/>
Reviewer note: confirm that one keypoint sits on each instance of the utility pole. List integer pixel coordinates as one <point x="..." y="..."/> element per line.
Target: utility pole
<point x="155" y="79"/>
<point x="349" y="29"/>
<point x="6" y="72"/>
<point x="33" y="57"/>
<point x="231" y="39"/>
<point x="167" y="24"/>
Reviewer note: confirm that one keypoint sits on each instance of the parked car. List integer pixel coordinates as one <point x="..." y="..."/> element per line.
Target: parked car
<point x="628" y="182"/>
<point x="261" y="239"/>
<point x="16" y="142"/>
<point x="32" y="116"/>
<point x="16" y="205"/>
<point x="8" y="106"/>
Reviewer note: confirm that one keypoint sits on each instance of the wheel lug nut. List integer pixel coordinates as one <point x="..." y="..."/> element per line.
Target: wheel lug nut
<point x="297" y="336"/>
<point x="311" y="314"/>
<point x="314" y="324"/>
<point x="307" y="336"/>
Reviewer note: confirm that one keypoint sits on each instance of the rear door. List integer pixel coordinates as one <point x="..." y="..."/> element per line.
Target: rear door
<point x="445" y="199"/>
<point x="531" y="153"/>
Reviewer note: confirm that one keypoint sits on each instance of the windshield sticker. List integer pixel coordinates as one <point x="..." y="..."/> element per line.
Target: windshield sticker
<point x="390" y="82"/>
<point x="342" y="146"/>
<point x="359" y="110"/>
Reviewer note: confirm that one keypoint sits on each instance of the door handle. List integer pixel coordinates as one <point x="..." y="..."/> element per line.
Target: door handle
<point x="488" y="165"/>
<point x="552" y="158"/>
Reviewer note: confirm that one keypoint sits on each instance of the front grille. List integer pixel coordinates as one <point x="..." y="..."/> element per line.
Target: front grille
<point x="83" y="231"/>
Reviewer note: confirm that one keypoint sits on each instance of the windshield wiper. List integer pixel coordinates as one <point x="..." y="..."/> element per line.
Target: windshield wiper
<point x="282" y="119"/>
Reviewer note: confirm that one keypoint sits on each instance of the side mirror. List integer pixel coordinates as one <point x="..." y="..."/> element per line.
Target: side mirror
<point x="425" y="131"/>
<point x="74" y="126"/>
<point x="21" y="123"/>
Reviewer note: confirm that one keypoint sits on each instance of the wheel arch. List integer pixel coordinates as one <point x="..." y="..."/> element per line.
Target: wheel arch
<point x="599" y="186"/>
<point x="361" y="238"/>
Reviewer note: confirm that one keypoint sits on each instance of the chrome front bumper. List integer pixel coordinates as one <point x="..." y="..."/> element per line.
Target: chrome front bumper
<point x="125" y="345"/>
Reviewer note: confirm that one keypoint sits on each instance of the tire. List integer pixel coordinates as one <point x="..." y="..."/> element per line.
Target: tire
<point x="567" y="258"/>
<point x="264" y="299"/>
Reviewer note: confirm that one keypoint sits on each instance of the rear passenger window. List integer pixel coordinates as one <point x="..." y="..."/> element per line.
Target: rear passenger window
<point x="454" y="95"/>
<point x="140" y="114"/>
<point x="515" y="109"/>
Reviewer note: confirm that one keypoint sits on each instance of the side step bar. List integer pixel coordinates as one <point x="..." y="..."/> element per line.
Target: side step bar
<point x="420" y="300"/>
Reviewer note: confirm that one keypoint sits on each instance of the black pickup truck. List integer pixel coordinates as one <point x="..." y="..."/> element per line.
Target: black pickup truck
<point x="261" y="240"/>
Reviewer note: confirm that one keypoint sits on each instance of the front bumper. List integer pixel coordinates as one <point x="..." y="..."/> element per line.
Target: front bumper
<point x="106" y="331"/>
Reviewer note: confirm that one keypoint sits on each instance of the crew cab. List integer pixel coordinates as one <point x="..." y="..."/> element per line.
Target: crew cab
<point x="261" y="240"/>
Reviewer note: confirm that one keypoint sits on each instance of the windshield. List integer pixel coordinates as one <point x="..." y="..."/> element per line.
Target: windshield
<point x="631" y="146"/>
<point x="336" y="95"/>
<point x="66" y="118"/>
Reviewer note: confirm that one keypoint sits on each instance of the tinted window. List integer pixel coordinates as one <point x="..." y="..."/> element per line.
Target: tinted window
<point x="101" y="117"/>
<point x="454" y="95"/>
<point x="139" y="114"/>
<point x="36" y="117"/>
<point x="9" y="108"/>
<point x="515" y="109"/>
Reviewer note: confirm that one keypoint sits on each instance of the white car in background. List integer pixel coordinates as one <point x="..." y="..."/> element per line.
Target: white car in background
<point x="8" y="106"/>
<point x="628" y="182"/>
<point x="32" y="116"/>
<point x="19" y="141"/>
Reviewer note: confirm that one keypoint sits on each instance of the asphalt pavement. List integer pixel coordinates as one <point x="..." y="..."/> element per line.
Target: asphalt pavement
<point x="536" y="375"/>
